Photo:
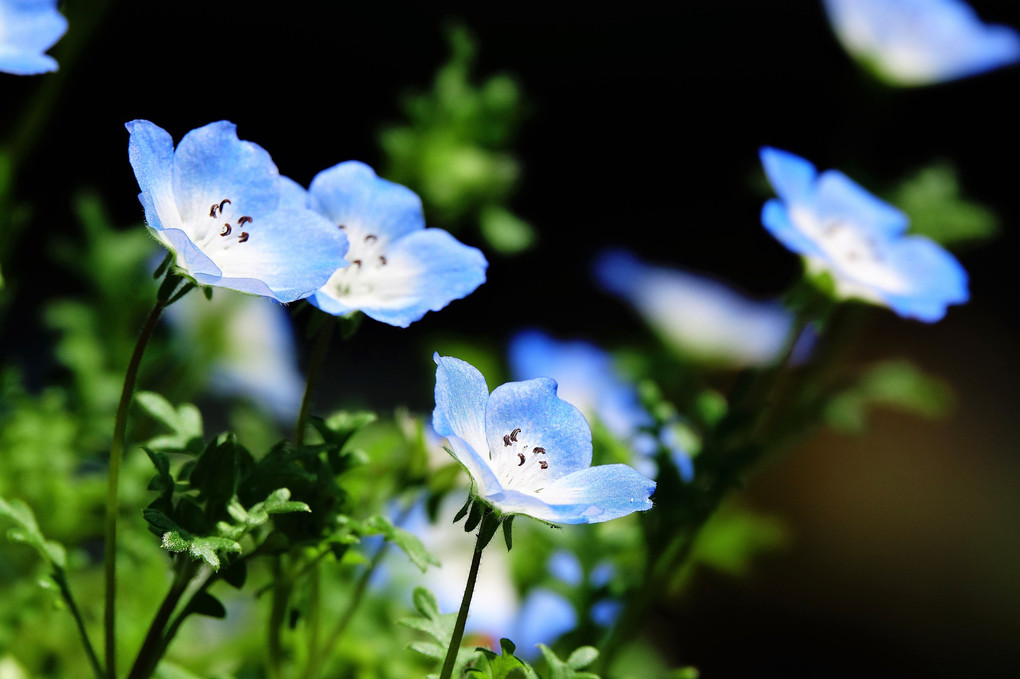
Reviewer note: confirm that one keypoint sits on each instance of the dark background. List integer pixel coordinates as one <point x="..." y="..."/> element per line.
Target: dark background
<point x="643" y="129"/>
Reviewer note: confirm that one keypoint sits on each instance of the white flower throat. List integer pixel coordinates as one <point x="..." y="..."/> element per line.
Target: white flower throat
<point x="366" y="266"/>
<point x="223" y="228"/>
<point x="518" y="464"/>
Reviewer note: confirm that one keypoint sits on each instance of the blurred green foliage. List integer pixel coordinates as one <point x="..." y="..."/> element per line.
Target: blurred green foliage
<point x="933" y="201"/>
<point x="454" y="149"/>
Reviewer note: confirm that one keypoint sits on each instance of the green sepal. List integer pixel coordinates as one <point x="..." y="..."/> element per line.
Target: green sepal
<point x="490" y="524"/>
<point x="164" y="265"/>
<point x="508" y="529"/>
<point x="462" y="512"/>
<point x="474" y="516"/>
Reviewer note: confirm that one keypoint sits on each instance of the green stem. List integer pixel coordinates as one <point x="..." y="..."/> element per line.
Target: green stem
<point x="149" y="654"/>
<point x="318" y="656"/>
<point x="465" y="604"/>
<point x="322" y="342"/>
<point x="116" y="455"/>
<point x="277" y="613"/>
<point x="90" y="651"/>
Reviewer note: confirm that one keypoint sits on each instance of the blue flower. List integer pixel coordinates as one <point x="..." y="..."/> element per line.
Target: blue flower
<point x="27" y="29"/>
<point x="249" y="342"/>
<point x="919" y="42"/>
<point x="232" y="221"/>
<point x="399" y="270"/>
<point x="697" y="316"/>
<point x="586" y="378"/>
<point x="842" y="229"/>
<point x="528" y="452"/>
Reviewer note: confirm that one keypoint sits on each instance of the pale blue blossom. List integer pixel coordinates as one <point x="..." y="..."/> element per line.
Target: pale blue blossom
<point x="249" y="342"/>
<point x="27" y="29"/>
<point x="529" y="452"/>
<point x="918" y="42"/>
<point x="697" y="316"/>
<point x="398" y="270"/>
<point x="842" y="230"/>
<point x="220" y="205"/>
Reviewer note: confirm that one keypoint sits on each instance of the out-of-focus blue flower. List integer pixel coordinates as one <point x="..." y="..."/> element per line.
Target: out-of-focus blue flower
<point x="251" y="344"/>
<point x="232" y="221"/>
<point x="919" y="42"/>
<point x="605" y="612"/>
<point x="842" y="229"/>
<point x="496" y="609"/>
<point x="398" y="270"/>
<point x="27" y="29"/>
<point x="696" y="315"/>
<point x="529" y="452"/>
<point x="566" y="567"/>
<point x="585" y="377"/>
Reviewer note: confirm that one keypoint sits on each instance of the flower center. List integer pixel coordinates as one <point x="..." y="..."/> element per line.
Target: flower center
<point x="223" y="228"/>
<point x="518" y="464"/>
<point x="367" y="262"/>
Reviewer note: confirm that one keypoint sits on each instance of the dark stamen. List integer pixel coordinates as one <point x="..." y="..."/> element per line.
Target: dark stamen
<point x="520" y="455"/>
<point x="382" y="261"/>
<point x="244" y="220"/>
<point x="212" y="210"/>
<point x="358" y="262"/>
<point x="514" y="433"/>
<point x="225" y="201"/>
<point x="243" y="238"/>
<point x="370" y="237"/>
<point x="538" y="450"/>
<point x="506" y="439"/>
<point x="341" y="226"/>
<point x="225" y="231"/>
<point x="543" y="464"/>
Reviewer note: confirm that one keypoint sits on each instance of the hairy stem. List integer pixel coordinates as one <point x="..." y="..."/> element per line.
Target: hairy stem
<point x="90" y="651"/>
<point x="322" y="342"/>
<point x="116" y="456"/>
<point x="149" y="654"/>
<point x="465" y="604"/>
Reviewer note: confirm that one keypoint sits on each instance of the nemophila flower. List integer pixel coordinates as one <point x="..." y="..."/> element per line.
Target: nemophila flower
<point x="222" y="207"/>
<point x="529" y="452"/>
<point x="842" y="229"/>
<point x="27" y="29"/>
<point x="697" y="316"/>
<point x="398" y="270"/>
<point x="918" y="42"/>
<point x="249" y="345"/>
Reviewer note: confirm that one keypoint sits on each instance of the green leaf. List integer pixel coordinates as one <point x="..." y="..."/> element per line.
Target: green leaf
<point x="892" y="384"/>
<point x="505" y="231"/>
<point x="437" y="627"/>
<point x="502" y="666"/>
<point x="27" y="532"/>
<point x="176" y="539"/>
<point x="578" y="660"/>
<point x="407" y="542"/>
<point x="338" y="428"/>
<point x="217" y="472"/>
<point x="185" y="422"/>
<point x="204" y="603"/>
<point x="932" y="200"/>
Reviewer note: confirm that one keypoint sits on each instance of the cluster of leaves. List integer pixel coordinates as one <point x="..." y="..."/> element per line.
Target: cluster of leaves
<point x="454" y="151"/>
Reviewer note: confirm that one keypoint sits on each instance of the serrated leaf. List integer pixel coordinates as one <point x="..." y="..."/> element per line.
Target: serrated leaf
<point x="503" y="666"/>
<point x="439" y="627"/>
<point x="279" y="502"/>
<point x="338" y="428"/>
<point x="184" y="421"/>
<point x="558" y="669"/>
<point x="28" y="533"/>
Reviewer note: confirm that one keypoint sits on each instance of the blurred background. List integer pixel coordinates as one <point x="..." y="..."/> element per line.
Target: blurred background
<point x="638" y="127"/>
